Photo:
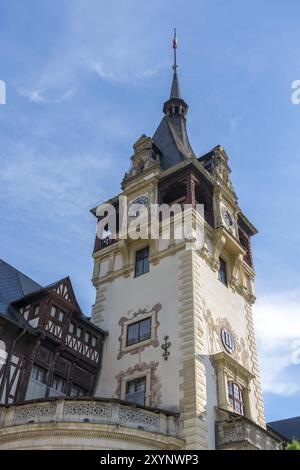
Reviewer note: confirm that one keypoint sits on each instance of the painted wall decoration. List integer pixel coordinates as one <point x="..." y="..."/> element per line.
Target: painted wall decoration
<point x="215" y="344"/>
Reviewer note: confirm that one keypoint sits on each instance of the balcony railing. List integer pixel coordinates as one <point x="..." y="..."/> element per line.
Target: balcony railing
<point x="102" y="411"/>
<point x="241" y="433"/>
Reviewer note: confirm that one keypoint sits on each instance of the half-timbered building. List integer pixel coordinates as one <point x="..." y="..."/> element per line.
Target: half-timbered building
<point x="47" y="346"/>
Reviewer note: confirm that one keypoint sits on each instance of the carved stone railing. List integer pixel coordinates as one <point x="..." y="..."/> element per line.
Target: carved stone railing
<point x="241" y="433"/>
<point x="102" y="411"/>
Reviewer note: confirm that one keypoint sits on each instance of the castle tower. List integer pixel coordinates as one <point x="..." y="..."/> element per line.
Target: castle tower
<point x="179" y="321"/>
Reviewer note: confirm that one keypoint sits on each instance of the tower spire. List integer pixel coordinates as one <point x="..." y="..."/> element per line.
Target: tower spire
<point x="175" y="89"/>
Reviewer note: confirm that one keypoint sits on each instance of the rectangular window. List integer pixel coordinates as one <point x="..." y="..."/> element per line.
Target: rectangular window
<point x="71" y="328"/>
<point x="53" y="311"/>
<point x="142" y="262"/>
<point x="138" y="331"/>
<point x="94" y="341"/>
<point x="78" y="332"/>
<point x="58" y="383"/>
<point x="87" y="337"/>
<point x="223" y="272"/>
<point x="38" y="373"/>
<point x="135" y="391"/>
<point x="61" y="316"/>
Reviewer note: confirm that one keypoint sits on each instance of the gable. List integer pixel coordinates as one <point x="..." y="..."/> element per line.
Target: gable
<point x="63" y="291"/>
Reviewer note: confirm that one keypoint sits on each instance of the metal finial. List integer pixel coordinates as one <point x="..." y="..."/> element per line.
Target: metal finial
<point x="175" y="46"/>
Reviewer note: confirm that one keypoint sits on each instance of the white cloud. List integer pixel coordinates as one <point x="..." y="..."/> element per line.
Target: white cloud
<point x="33" y="95"/>
<point x="88" y="43"/>
<point x="54" y="188"/>
<point x="277" y="321"/>
<point x="41" y="96"/>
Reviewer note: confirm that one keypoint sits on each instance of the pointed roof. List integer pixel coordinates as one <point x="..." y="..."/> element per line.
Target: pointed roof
<point x="173" y="148"/>
<point x="16" y="287"/>
<point x="13" y="285"/>
<point x="175" y="88"/>
<point x="171" y="136"/>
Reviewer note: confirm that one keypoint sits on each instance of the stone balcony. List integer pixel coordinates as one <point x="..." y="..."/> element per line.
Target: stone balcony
<point x="86" y="424"/>
<point x="240" y="433"/>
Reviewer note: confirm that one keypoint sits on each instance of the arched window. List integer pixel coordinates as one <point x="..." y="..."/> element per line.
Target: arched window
<point x="235" y="396"/>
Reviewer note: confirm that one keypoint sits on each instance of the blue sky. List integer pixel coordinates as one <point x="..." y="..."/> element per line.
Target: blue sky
<point x="86" y="78"/>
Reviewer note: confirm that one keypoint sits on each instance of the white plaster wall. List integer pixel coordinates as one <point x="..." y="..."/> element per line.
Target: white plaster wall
<point x="126" y="295"/>
<point x="223" y="303"/>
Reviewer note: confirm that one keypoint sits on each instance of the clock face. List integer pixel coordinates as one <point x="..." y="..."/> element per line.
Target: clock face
<point x="228" y="217"/>
<point x="135" y="208"/>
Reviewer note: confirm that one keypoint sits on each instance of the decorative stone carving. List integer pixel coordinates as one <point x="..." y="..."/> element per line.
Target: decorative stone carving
<point x="88" y="409"/>
<point x="241" y="433"/>
<point x="220" y="168"/>
<point x="35" y="413"/>
<point x="144" y="158"/>
<point x="140" y="418"/>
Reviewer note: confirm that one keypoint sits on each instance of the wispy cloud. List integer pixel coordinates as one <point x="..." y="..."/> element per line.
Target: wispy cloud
<point x="84" y="45"/>
<point x="41" y="95"/>
<point x="278" y="335"/>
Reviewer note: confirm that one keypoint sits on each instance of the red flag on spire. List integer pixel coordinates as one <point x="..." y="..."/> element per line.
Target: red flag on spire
<point x="175" y="43"/>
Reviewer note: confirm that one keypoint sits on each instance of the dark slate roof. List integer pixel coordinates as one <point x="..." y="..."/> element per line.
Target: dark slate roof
<point x="175" y="88"/>
<point x="171" y="136"/>
<point x="288" y="428"/>
<point x="13" y="285"/>
<point x="166" y="140"/>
